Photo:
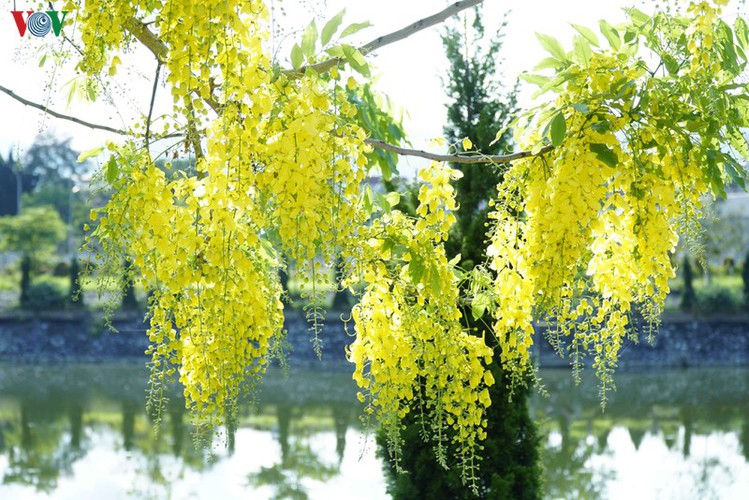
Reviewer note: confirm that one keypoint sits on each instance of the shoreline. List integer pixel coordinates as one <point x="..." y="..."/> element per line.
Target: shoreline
<point x="82" y="336"/>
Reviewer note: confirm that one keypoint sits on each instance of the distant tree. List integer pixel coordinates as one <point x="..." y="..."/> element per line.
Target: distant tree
<point x="745" y="278"/>
<point x="129" y="300"/>
<point x="34" y="234"/>
<point x="51" y="171"/>
<point x="688" y="297"/>
<point x="9" y="184"/>
<point x="51" y="160"/>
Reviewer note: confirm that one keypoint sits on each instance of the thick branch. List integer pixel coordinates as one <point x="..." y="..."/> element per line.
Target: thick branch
<point x="472" y="159"/>
<point x="145" y="36"/>
<point x="393" y="37"/>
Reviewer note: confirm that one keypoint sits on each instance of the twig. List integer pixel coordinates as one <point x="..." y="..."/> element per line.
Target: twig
<point x="153" y="100"/>
<point x="393" y="37"/>
<point x="193" y="136"/>
<point x="466" y="159"/>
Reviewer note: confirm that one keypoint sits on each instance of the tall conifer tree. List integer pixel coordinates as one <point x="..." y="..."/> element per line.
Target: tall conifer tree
<point x="509" y="467"/>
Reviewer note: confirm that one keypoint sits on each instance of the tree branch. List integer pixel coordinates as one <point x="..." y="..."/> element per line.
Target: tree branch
<point x="193" y="135"/>
<point x="153" y="101"/>
<point x="465" y="159"/>
<point x="61" y="116"/>
<point x="159" y="49"/>
<point x="95" y="126"/>
<point x="393" y="37"/>
<point x="147" y="37"/>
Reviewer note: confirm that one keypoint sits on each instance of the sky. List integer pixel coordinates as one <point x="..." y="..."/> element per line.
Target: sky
<point x="409" y="72"/>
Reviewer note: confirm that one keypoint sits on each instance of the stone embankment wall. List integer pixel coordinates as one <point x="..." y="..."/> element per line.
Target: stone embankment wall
<point x="681" y="342"/>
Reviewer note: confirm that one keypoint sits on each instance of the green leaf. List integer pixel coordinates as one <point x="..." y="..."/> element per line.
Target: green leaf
<point x="498" y="136"/>
<point x="382" y="202"/>
<point x="581" y="108"/>
<point x="601" y="126"/>
<point x="552" y="46"/>
<point x="581" y="50"/>
<point x="356" y="60"/>
<point x="354" y="28"/>
<point x="536" y="149"/>
<point x="336" y="51"/>
<point x="74" y="83"/>
<point x="637" y="16"/>
<point x="434" y="280"/>
<point x="556" y="82"/>
<point x="730" y="59"/>
<point x="85" y="155"/>
<point x="629" y="36"/>
<point x="297" y="58"/>
<point x="604" y="154"/>
<point x="672" y="66"/>
<point x="735" y="171"/>
<point x="330" y="27"/>
<point x="715" y="177"/>
<point x="738" y="143"/>
<point x="539" y="80"/>
<point x="558" y="129"/>
<point x="393" y="198"/>
<point x="612" y="36"/>
<point x="587" y="33"/>
<point x="479" y="305"/>
<point x="742" y="33"/>
<point x="91" y="92"/>
<point x="416" y="268"/>
<point x="309" y="39"/>
<point x="42" y="60"/>
<point x="548" y="63"/>
<point x="266" y="248"/>
<point x="112" y="170"/>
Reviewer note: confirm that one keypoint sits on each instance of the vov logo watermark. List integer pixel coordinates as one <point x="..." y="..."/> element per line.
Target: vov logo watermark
<point x="38" y="24"/>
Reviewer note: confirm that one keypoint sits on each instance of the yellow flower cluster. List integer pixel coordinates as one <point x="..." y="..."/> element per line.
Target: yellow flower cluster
<point x="582" y="236"/>
<point x="704" y="16"/>
<point x="279" y="163"/>
<point x="410" y="345"/>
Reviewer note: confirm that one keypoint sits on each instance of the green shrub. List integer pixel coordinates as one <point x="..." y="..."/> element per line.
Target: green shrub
<point x="718" y="299"/>
<point x="45" y="295"/>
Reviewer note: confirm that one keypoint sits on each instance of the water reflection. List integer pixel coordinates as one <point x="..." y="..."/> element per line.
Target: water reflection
<point x="664" y="434"/>
<point x="82" y="432"/>
<point x="50" y="418"/>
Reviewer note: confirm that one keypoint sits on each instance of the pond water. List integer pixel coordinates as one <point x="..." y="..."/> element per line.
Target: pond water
<point x="82" y="432"/>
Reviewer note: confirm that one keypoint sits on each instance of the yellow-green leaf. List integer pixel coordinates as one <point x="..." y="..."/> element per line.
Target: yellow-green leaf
<point x="309" y="39"/>
<point x="85" y="155"/>
<point x="552" y="46"/>
<point x="558" y="129"/>
<point x="297" y="58"/>
<point x="330" y="27"/>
